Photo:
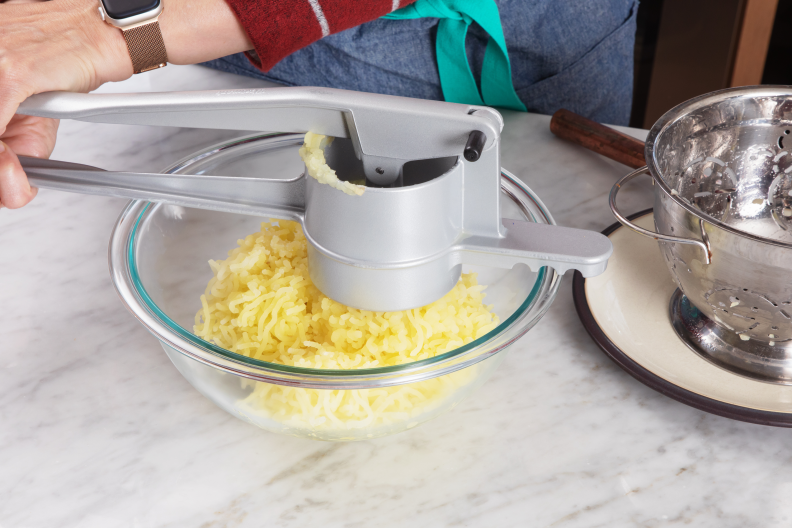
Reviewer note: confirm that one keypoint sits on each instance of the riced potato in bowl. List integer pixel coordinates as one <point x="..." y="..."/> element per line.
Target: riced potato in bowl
<point x="270" y="349"/>
<point x="262" y="304"/>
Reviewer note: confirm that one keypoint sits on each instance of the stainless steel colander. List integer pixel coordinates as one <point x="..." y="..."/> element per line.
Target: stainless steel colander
<point x="722" y="169"/>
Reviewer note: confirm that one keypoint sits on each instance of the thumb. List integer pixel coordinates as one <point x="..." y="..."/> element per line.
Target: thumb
<point x="15" y="191"/>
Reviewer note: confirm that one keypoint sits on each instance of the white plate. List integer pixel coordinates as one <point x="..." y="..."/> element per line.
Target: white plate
<point x="626" y="311"/>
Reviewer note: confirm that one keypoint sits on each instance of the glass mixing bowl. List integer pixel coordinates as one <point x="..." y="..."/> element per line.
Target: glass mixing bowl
<point x="159" y="257"/>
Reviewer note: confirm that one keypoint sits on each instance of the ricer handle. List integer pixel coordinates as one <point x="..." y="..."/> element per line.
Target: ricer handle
<point x="537" y="245"/>
<point x="282" y="198"/>
<point x="386" y="131"/>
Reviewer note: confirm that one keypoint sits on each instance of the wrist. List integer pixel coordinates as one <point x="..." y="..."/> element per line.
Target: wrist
<point x="108" y="52"/>
<point x="193" y="31"/>
<point x="200" y="30"/>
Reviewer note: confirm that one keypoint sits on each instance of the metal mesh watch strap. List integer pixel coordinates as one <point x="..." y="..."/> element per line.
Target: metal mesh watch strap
<point x="146" y="47"/>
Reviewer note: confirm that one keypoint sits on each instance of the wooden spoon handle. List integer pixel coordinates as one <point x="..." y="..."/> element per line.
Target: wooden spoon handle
<point x="598" y="138"/>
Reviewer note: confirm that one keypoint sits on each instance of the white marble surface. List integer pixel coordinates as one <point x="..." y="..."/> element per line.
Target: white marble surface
<point x="98" y="429"/>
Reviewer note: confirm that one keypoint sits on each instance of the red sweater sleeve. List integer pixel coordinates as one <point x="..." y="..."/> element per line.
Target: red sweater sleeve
<point x="278" y="28"/>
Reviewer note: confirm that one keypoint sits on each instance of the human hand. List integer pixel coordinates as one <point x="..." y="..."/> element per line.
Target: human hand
<point x="27" y="136"/>
<point x="65" y="45"/>
<point x="46" y="46"/>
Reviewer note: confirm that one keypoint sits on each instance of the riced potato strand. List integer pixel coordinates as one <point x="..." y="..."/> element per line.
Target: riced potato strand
<point x="312" y="154"/>
<point x="261" y="303"/>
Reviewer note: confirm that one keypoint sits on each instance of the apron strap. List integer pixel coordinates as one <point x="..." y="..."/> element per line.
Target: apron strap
<point x="456" y="77"/>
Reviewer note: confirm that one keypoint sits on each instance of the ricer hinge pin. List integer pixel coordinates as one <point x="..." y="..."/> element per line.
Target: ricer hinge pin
<point x="474" y="146"/>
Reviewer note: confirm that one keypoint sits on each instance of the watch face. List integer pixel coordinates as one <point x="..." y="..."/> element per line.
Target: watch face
<point x="119" y="9"/>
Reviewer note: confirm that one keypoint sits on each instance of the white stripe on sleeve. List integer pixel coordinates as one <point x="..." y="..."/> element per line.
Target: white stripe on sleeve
<point x="317" y="9"/>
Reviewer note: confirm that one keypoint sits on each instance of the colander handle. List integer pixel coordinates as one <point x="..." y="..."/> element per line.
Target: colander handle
<point x="645" y="232"/>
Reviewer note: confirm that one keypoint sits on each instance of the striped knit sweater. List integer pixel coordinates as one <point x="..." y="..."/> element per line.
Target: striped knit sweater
<point x="278" y="28"/>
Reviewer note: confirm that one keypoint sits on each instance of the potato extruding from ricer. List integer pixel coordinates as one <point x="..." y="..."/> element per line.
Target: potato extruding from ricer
<point x="432" y="204"/>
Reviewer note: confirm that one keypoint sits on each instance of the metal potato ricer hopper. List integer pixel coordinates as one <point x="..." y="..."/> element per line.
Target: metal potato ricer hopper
<point x="432" y="171"/>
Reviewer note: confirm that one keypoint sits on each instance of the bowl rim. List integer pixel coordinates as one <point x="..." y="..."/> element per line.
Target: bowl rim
<point x="681" y="111"/>
<point x="122" y="261"/>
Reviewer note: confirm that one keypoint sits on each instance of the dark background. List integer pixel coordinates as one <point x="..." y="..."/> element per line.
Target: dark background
<point x="685" y="48"/>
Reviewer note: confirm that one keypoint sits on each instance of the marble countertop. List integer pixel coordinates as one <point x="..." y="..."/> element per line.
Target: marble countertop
<point x="98" y="429"/>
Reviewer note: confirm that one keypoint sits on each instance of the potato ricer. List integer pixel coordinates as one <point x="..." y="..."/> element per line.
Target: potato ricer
<point x="431" y="169"/>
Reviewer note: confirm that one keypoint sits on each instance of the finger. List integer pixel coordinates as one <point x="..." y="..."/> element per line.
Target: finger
<point x="31" y="136"/>
<point x="15" y="191"/>
<point x="11" y="96"/>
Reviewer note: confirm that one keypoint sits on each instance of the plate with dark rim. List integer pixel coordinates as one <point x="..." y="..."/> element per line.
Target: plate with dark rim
<point x="625" y="311"/>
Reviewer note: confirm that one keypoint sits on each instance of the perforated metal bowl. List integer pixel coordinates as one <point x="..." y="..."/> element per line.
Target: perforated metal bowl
<point x="722" y="169"/>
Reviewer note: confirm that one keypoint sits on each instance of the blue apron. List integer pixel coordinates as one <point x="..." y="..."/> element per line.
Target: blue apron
<point x="575" y="54"/>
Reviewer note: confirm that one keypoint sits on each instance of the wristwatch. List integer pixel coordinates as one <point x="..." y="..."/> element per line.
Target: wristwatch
<point x="138" y="20"/>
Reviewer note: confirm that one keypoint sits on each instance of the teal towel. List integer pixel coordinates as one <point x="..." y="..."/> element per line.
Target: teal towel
<point x="456" y="78"/>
